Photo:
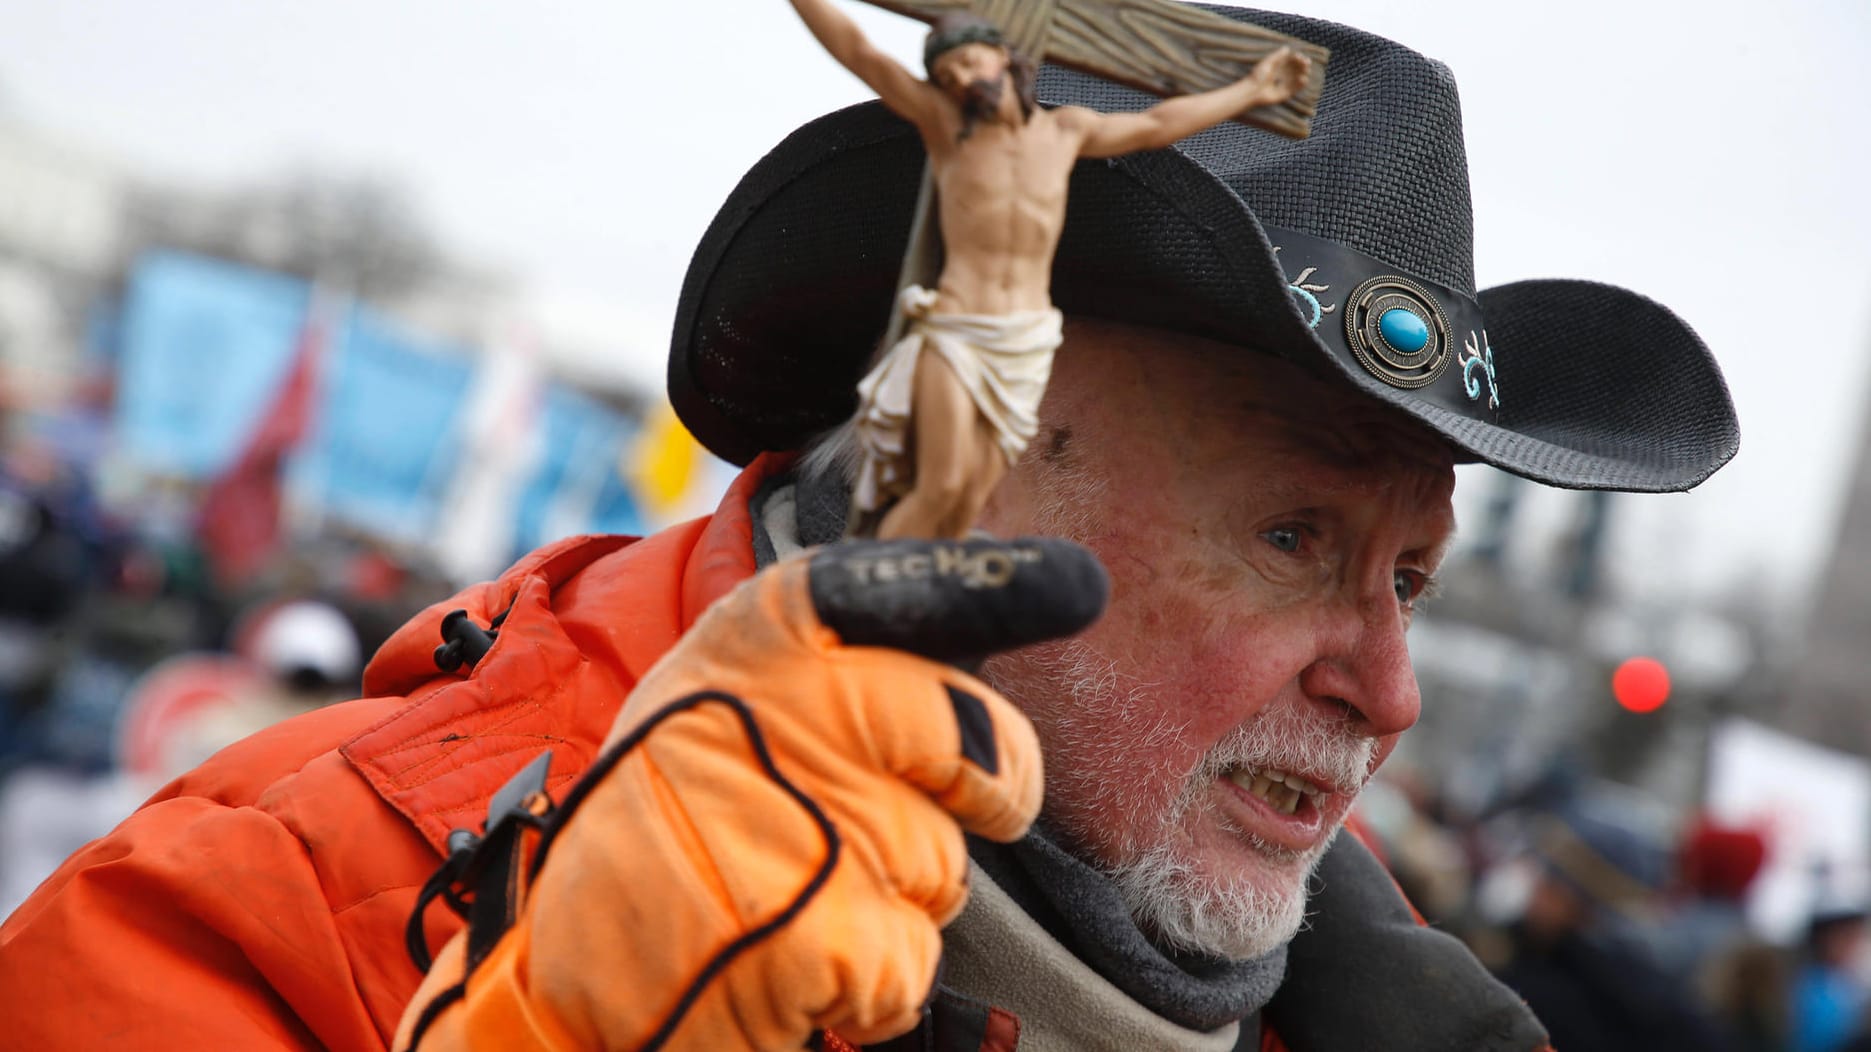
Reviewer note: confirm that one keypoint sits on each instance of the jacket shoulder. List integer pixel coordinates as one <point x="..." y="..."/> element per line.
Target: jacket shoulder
<point x="271" y="884"/>
<point x="579" y="623"/>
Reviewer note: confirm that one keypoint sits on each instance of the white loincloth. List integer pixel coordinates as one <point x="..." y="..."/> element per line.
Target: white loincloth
<point x="1004" y="360"/>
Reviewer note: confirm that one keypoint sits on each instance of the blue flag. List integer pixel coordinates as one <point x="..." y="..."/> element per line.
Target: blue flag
<point x="205" y="345"/>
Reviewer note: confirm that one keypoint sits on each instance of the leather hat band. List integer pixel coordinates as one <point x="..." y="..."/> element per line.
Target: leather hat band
<point x="1408" y="332"/>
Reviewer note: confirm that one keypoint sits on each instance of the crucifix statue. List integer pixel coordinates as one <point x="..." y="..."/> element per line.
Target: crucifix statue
<point x="953" y="402"/>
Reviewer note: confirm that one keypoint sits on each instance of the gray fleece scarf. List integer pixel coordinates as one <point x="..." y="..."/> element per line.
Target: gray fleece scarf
<point x="1081" y="908"/>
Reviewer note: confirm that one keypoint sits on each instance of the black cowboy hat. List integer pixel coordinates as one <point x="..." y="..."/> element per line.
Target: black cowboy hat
<point x="1350" y="252"/>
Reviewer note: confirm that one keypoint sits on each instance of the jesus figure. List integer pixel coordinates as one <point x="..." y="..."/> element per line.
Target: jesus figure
<point x="953" y="404"/>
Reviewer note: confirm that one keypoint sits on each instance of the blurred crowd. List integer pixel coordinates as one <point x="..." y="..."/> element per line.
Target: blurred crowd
<point x="126" y="658"/>
<point x="136" y="639"/>
<point x="1621" y="931"/>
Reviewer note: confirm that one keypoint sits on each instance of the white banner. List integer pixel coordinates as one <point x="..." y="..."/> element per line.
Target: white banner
<point x="1814" y="806"/>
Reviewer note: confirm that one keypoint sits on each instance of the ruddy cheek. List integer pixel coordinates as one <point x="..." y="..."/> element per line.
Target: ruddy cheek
<point x="1199" y="680"/>
<point x="1239" y="667"/>
<point x="1216" y="700"/>
<point x="1150" y="638"/>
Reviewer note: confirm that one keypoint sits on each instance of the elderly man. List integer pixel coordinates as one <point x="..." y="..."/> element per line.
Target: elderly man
<point x="1277" y="357"/>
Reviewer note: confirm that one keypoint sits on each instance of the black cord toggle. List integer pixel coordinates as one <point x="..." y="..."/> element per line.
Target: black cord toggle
<point x="464" y="642"/>
<point x="478" y="878"/>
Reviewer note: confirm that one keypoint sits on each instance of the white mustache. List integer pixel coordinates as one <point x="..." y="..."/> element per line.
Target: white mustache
<point x="1299" y="739"/>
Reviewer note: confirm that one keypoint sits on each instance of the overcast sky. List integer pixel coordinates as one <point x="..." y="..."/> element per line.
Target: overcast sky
<point x="1710" y="154"/>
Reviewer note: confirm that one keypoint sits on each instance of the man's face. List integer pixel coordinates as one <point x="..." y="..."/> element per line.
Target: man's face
<point x="1267" y="535"/>
<point x="975" y="76"/>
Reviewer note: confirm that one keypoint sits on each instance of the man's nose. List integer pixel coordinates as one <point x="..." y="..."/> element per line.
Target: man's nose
<point x="1364" y="663"/>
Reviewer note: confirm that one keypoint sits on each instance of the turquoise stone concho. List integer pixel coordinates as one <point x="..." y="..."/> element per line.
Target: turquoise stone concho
<point x="1403" y="329"/>
<point x="1398" y="328"/>
<point x="1398" y="331"/>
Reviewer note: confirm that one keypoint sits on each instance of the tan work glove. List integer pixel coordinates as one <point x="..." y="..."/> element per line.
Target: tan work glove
<point x="773" y="838"/>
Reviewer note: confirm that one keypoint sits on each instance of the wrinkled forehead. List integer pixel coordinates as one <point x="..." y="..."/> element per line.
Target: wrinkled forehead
<point x="1324" y="421"/>
<point x="1330" y="439"/>
<point x="1359" y="435"/>
<point x="1248" y="418"/>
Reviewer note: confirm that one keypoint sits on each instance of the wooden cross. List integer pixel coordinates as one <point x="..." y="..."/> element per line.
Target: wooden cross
<point x="1158" y="46"/>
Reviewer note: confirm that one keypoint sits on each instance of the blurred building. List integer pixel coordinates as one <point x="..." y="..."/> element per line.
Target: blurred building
<point x="62" y="214"/>
<point x="1515" y="661"/>
<point x="1828" y="682"/>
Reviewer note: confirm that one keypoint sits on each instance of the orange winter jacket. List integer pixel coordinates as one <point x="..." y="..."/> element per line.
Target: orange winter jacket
<point x="259" y="901"/>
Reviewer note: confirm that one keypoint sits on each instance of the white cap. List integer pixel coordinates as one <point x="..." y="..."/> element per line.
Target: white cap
<point x="306" y="634"/>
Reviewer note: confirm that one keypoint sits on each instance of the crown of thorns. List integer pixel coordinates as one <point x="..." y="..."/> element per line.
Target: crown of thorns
<point x="946" y="38"/>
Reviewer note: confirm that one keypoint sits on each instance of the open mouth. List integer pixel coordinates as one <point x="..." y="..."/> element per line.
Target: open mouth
<point x="1283" y="791"/>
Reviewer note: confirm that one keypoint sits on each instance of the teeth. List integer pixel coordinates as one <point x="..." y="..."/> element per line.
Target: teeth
<point x="1278" y="788"/>
<point x="1291" y="781"/>
<point x="1285" y="799"/>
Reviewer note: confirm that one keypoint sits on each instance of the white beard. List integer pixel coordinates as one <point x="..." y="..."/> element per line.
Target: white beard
<point x="1237" y="915"/>
<point x="1234" y="919"/>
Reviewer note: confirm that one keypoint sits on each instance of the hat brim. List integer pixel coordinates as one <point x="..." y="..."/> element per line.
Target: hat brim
<point x="792" y="286"/>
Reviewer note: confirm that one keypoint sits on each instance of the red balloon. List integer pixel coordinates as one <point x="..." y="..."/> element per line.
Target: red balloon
<point x="1641" y="684"/>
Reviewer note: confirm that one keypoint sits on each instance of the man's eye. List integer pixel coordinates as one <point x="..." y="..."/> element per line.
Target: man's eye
<point x="1285" y="538"/>
<point x="1409" y="586"/>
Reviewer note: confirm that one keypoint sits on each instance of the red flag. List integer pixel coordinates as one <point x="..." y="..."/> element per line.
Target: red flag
<point x="239" y="517"/>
